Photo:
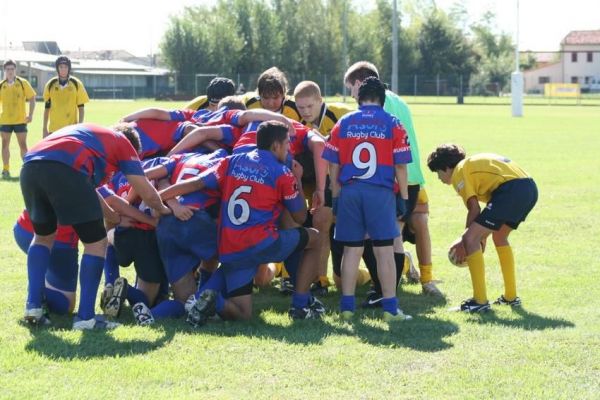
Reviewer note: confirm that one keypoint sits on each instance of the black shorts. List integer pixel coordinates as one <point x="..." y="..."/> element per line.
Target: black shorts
<point x="510" y="204"/>
<point x="54" y="191"/>
<point x="16" y="128"/>
<point x="140" y="247"/>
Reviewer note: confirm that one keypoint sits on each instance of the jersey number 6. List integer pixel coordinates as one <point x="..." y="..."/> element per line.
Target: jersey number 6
<point x="234" y="201"/>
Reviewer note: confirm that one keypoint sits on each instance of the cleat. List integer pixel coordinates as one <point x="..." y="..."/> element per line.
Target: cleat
<point x="373" y="299"/>
<point x="204" y="308"/>
<point x="398" y="317"/>
<point x="316" y="289"/>
<point x="105" y="296"/>
<point x="347" y="315"/>
<point x="36" y="316"/>
<point x="303" y="313"/>
<point x="98" y="322"/>
<point x="189" y="303"/>
<point x="5" y="174"/>
<point x="412" y="275"/>
<point x="471" y="306"/>
<point x="117" y="298"/>
<point x="286" y="287"/>
<point x="316" y="305"/>
<point x="431" y="289"/>
<point x="513" y="303"/>
<point x="142" y="314"/>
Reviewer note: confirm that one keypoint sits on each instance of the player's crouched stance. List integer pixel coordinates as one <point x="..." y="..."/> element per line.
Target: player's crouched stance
<point x="510" y="195"/>
<point x="255" y="189"/>
<point x="58" y="181"/>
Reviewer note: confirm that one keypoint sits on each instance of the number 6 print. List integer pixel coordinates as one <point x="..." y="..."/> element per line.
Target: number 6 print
<point x="234" y="201"/>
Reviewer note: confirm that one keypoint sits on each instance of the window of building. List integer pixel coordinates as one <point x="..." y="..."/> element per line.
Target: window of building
<point x="574" y="79"/>
<point x="543" y="79"/>
<point x="590" y="56"/>
<point x="573" y="57"/>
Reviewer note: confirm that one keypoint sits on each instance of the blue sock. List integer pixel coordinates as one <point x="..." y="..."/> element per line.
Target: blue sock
<point x="300" y="300"/>
<point x="111" y="266"/>
<point x="56" y="301"/>
<point x="168" y="309"/>
<point x="216" y="282"/>
<point x="38" y="261"/>
<point x="89" y="280"/>
<point x="135" y="295"/>
<point x="292" y="263"/>
<point x="348" y="303"/>
<point x="390" y="304"/>
<point x="204" y="276"/>
<point x="220" y="303"/>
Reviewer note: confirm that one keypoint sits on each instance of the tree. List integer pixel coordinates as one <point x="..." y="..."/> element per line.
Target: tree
<point x="496" y="54"/>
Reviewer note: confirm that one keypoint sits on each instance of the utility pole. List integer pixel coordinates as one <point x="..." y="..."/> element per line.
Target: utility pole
<point x="395" y="47"/>
<point x="345" y="42"/>
<point x="516" y="86"/>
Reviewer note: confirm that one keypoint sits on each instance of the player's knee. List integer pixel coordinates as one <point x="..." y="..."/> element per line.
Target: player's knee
<point x="314" y="238"/>
<point x="264" y="275"/>
<point x="419" y="221"/>
<point x="322" y="219"/>
<point x="471" y="240"/>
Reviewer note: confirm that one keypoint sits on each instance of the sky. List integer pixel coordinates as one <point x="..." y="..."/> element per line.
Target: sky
<point x="137" y="26"/>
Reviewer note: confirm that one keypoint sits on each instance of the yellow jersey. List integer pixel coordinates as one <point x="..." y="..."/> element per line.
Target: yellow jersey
<point x="480" y="174"/>
<point x="330" y="114"/>
<point x="13" y="97"/>
<point x="63" y="102"/>
<point x="289" y="106"/>
<point x="198" y="103"/>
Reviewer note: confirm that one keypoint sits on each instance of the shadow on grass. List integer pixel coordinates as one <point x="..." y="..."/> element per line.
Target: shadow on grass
<point x="526" y="320"/>
<point x="423" y="333"/>
<point x="10" y="179"/>
<point x="92" y="344"/>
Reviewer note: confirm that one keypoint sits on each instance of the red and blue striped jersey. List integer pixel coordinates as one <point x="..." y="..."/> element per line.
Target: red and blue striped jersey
<point x="298" y="142"/>
<point x="255" y="187"/>
<point x="157" y="136"/>
<point x="224" y="118"/>
<point x="367" y="144"/>
<point x="65" y="234"/>
<point x="188" y="165"/>
<point x="120" y="186"/>
<point x="91" y="149"/>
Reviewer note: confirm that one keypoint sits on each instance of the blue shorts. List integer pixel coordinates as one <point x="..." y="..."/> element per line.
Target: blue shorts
<point x="510" y="204"/>
<point x="64" y="267"/>
<point x="239" y="273"/>
<point x="366" y="209"/>
<point x="16" y="128"/>
<point x="184" y="244"/>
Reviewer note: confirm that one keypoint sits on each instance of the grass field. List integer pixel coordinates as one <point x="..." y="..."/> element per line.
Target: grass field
<point x="549" y="349"/>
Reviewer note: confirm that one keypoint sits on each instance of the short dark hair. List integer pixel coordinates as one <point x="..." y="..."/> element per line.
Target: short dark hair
<point x="272" y="82"/>
<point x="130" y="133"/>
<point x="359" y="71"/>
<point x="371" y="89"/>
<point x="232" y="103"/>
<point x="219" y="88"/>
<point x="8" y="62"/>
<point x="445" y="156"/>
<point x="269" y="132"/>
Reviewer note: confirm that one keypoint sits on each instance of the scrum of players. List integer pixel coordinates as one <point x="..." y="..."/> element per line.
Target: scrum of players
<point x="226" y="194"/>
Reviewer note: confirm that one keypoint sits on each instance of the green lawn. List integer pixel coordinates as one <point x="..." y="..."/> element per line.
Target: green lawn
<point x="548" y="349"/>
